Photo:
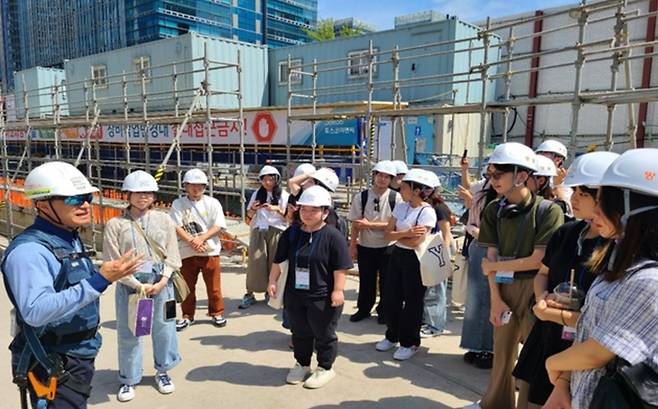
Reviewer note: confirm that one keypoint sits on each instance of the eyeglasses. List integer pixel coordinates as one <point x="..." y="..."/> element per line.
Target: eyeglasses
<point x="496" y="175"/>
<point x="376" y="202"/>
<point x="78" y="200"/>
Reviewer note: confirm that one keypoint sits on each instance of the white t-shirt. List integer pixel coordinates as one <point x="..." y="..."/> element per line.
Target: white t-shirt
<point x="406" y="217"/>
<point x="264" y="219"/>
<point x="196" y="218"/>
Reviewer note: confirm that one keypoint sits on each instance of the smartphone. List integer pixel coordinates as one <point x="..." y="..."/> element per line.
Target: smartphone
<point x="465" y="154"/>
<point x="170" y="310"/>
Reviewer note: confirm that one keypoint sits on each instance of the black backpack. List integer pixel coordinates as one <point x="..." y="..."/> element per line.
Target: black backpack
<point x="364" y="199"/>
<point x="339" y="222"/>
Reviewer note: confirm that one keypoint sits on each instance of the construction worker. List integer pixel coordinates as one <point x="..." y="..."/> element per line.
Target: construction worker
<point x="153" y="234"/>
<point x="411" y="221"/>
<point x="199" y="218"/>
<point x="570" y="249"/>
<point x="266" y="216"/>
<point x="400" y="170"/>
<point x="515" y="229"/>
<point x="318" y="258"/>
<point x="619" y="322"/>
<point x="54" y="288"/>
<point x="370" y="212"/>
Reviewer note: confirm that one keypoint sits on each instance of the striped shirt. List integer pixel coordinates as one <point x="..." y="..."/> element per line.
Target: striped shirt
<point x="623" y="317"/>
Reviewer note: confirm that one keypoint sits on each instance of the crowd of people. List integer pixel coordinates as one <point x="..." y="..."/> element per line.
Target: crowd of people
<point x="578" y="295"/>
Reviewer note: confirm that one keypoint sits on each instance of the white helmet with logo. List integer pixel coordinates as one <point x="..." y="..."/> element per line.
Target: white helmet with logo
<point x="422" y="177"/>
<point x="400" y="167"/>
<point x="385" y="166"/>
<point x="56" y="179"/>
<point x="552" y="146"/>
<point x="139" y="181"/>
<point x="588" y="169"/>
<point x="327" y="177"/>
<point x="634" y="170"/>
<point x="269" y="170"/>
<point x="304" y="168"/>
<point x="195" y="176"/>
<point x="514" y="153"/>
<point x="545" y="167"/>
<point x="315" y="196"/>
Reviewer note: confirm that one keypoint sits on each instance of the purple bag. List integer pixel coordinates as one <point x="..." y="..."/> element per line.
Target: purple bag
<point x="140" y="314"/>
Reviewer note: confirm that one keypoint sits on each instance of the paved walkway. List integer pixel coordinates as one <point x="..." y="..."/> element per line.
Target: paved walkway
<point x="245" y="364"/>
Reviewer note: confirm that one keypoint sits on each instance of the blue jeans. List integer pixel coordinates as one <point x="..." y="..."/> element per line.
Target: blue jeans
<point x="477" y="331"/>
<point x="163" y="336"/>
<point x="435" y="312"/>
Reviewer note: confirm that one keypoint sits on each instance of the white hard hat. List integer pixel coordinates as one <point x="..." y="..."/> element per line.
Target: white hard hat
<point x="545" y="167"/>
<point x="588" y="169"/>
<point x="327" y="177"/>
<point x="436" y="182"/>
<point x="400" y="167"/>
<point x="385" y="166"/>
<point x="139" y="181"/>
<point x="552" y="146"/>
<point x="634" y="170"/>
<point x="56" y="179"/>
<point x="514" y="153"/>
<point x="304" y="168"/>
<point x="422" y="177"/>
<point x="195" y="176"/>
<point x="268" y="170"/>
<point x="315" y="196"/>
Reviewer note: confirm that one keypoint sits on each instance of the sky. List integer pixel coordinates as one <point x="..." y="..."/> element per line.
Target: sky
<point x="380" y="13"/>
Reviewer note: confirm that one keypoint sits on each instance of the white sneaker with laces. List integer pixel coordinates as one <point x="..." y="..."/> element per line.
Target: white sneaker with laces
<point x="165" y="385"/>
<point x="385" y="345"/>
<point x="319" y="378"/>
<point x="298" y="374"/>
<point x="404" y="353"/>
<point x="126" y="393"/>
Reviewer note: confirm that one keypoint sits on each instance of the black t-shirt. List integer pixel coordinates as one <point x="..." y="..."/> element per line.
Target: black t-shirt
<point x="326" y="253"/>
<point x="442" y="212"/>
<point x="562" y="255"/>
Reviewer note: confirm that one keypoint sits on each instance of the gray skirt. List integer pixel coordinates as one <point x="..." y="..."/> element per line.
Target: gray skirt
<point x="262" y="248"/>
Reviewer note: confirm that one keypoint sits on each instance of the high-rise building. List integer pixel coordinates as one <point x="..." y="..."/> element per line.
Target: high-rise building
<point x="287" y="21"/>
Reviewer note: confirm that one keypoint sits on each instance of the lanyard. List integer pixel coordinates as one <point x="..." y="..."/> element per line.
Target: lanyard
<point x="313" y="246"/>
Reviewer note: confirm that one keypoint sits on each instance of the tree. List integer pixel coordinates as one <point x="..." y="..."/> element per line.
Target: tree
<point x="323" y="32"/>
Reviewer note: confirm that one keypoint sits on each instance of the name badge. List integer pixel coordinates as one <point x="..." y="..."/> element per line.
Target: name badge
<point x="568" y="333"/>
<point x="504" y="277"/>
<point x="302" y="278"/>
<point x="146" y="267"/>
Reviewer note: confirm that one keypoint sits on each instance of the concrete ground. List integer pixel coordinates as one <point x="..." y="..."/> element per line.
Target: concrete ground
<point x="245" y="363"/>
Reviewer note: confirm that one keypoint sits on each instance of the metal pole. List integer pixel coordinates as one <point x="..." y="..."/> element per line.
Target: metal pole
<point x="371" y="87"/>
<point x="5" y="163"/>
<point x="147" y="148"/>
<point x="508" y="79"/>
<point x="483" y="103"/>
<point x="614" y="70"/>
<point x="243" y="136"/>
<point x="289" y="120"/>
<point x="206" y="87"/>
<point x="315" y="105"/>
<point x="126" y="133"/>
<point x="580" y="62"/>
<point x="452" y="129"/>
<point x="397" y="100"/>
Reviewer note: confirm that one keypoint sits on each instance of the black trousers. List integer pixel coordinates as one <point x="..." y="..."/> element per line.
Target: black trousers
<point x="372" y="261"/>
<point x="65" y="398"/>
<point x="403" y="304"/>
<point x="313" y="322"/>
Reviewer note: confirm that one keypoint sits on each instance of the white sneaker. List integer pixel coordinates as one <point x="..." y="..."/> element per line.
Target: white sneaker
<point x="319" y="378"/>
<point x="126" y="393"/>
<point x="165" y="385"/>
<point x="298" y="374"/>
<point x="404" y="353"/>
<point x="385" y="345"/>
<point x="475" y="405"/>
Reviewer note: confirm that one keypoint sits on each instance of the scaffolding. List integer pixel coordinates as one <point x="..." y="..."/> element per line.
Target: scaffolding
<point x="490" y="61"/>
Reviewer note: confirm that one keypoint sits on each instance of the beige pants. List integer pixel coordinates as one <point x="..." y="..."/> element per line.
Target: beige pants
<point x="262" y="248"/>
<point x="500" y="391"/>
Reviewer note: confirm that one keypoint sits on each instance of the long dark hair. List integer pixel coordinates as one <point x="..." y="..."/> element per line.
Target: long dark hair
<point x="261" y="194"/>
<point x="640" y="235"/>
